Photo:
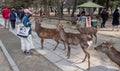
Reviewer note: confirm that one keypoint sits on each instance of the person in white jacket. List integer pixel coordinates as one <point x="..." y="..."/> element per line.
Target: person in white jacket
<point x="27" y="43"/>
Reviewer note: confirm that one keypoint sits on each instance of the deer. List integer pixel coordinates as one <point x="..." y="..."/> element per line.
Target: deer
<point x="92" y="31"/>
<point x="76" y="39"/>
<point x="47" y="33"/>
<point x="109" y="49"/>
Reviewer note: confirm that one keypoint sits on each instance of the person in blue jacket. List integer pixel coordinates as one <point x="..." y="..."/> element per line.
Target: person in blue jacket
<point x="13" y="18"/>
<point x="27" y="43"/>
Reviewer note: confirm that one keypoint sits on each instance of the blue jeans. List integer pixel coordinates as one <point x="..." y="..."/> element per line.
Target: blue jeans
<point x="103" y="23"/>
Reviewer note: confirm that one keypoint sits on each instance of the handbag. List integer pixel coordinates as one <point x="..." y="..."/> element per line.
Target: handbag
<point x="23" y="31"/>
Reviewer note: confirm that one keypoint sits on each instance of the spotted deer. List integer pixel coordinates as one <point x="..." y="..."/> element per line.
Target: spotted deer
<point x="92" y="31"/>
<point x="47" y="33"/>
<point x="76" y="39"/>
<point x="108" y="48"/>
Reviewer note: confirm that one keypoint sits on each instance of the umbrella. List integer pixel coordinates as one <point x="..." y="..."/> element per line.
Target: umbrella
<point x="90" y="4"/>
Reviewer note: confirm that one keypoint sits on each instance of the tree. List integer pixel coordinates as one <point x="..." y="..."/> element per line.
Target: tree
<point x="74" y="8"/>
<point x="58" y="8"/>
<point x="59" y="4"/>
<point x="46" y="7"/>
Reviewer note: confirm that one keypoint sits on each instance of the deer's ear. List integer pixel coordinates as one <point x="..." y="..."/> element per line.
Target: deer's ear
<point x="104" y="42"/>
<point x="57" y="25"/>
<point x="111" y="42"/>
<point x="60" y="25"/>
<point x="111" y="46"/>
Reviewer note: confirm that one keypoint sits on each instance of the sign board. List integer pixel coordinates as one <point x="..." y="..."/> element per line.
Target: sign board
<point x="88" y="21"/>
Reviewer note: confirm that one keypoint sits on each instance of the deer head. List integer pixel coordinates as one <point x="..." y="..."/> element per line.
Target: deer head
<point x="105" y="46"/>
<point x="38" y="21"/>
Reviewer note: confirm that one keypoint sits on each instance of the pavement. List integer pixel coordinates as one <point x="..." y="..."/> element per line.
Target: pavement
<point x="4" y="65"/>
<point x="49" y="60"/>
<point x="24" y="62"/>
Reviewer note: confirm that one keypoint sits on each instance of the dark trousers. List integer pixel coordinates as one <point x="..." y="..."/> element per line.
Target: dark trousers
<point x="13" y="23"/>
<point x="103" y="23"/>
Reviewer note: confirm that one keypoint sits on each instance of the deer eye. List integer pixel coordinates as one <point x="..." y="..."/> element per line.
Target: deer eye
<point x="103" y="42"/>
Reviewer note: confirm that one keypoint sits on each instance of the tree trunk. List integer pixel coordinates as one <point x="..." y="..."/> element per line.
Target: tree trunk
<point x="46" y="10"/>
<point x="58" y="9"/>
<point x="74" y="8"/>
<point x="73" y="18"/>
<point x="61" y="9"/>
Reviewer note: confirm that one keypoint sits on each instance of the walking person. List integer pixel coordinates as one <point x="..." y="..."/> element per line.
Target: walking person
<point x="27" y="43"/>
<point x="13" y="18"/>
<point x="83" y="13"/>
<point x="5" y="14"/>
<point x="41" y="12"/>
<point x="104" y="16"/>
<point x="115" y="22"/>
<point x="21" y="13"/>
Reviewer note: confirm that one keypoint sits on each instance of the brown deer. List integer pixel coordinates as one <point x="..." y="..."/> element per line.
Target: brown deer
<point x="92" y="31"/>
<point x="47" y="33"/>
<point x="108" y="48"/>
<point x="76" y="39"/>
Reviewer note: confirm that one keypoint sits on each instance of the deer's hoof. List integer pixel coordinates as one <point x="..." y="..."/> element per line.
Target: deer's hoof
<point x="64" y="49"/>
<point x="83" y="61"/>
<point x="54" y="49"/>
<point x="68" y="57"/>
<point x="88" y="69"/>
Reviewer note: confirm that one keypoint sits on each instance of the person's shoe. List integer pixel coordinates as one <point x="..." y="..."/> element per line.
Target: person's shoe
<point x="29" y="53"/>
<point x="4" y="27"/>
<point x="24" y="52"/>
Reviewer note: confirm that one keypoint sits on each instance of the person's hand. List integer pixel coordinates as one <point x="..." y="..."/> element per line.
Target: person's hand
<point x="27" y="11"/>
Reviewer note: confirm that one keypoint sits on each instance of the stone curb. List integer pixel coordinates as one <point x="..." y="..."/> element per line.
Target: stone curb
<point x="9" y="58"/>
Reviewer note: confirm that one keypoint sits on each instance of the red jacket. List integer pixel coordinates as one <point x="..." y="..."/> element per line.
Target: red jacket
<point x="6" y="13"/>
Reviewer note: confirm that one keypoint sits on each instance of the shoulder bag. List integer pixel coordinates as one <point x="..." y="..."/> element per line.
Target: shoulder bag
<point x="23" y="31"/>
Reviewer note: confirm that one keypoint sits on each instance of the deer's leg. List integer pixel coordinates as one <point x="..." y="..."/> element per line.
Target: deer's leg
<point x="88" y="60"/>
<point x="68" y="52"/>
<point x="85" y="54"/>
<point x="56" y="45"/>
<point x="91" y="35"/>
<point x="64" y="46"/>
<point x="42" y="40"/>
<point x="84" y="58"/>
<point x="95" y="38"/>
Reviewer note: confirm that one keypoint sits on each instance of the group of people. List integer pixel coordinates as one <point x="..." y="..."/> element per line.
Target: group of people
<point x="104" y="16"/>
<point x="11" y="15"/>
<point x="115" y="21"/>
<point x="23" y="15"/>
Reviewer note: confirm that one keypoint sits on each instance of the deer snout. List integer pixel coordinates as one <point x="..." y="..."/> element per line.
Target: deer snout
<point x="95" y="48"/>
